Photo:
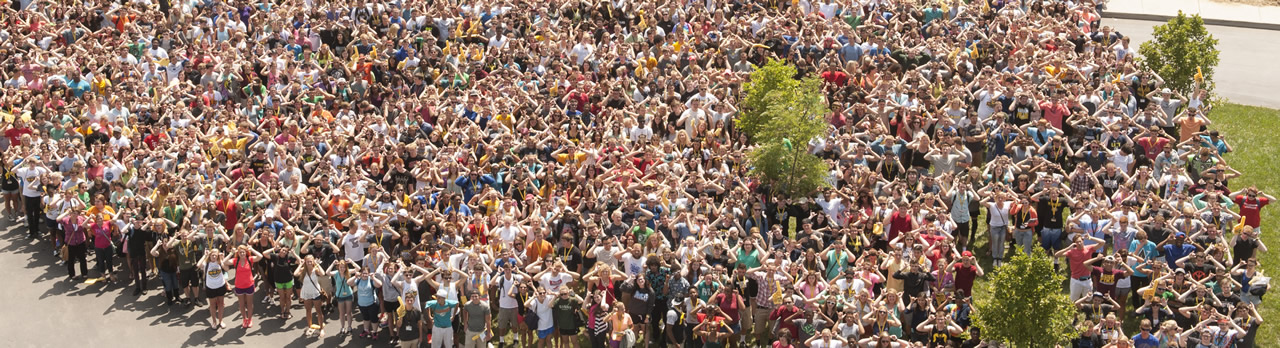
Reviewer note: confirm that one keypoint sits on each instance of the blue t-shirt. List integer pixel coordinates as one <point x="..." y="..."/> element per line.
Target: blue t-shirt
<point x="1149" y="342"/>
<point x="441" y="312"/>
<point x="364" y="292"/>
<point x="1173" y="253"/>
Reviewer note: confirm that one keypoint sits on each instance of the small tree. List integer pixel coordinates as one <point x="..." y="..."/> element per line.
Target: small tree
<point x="1027" y="308"/>
<point x="793" y="114"/>
<point x="774" y="76"/>
<point x="1181" y="50"/>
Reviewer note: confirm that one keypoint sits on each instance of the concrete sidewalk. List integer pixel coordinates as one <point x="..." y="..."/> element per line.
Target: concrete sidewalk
<point x="1214" y="13"/>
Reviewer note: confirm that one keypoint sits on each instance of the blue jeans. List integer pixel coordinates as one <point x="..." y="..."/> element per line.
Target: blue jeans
<point x="170" y="281"/>
<point x="1051" y="239"/>
<point x="1025" y="239"/>
<point x="997" y="241"/>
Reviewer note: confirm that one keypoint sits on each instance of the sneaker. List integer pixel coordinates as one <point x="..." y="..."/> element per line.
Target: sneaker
<point x="364" y="334"/>
<point x="375" y="336"/>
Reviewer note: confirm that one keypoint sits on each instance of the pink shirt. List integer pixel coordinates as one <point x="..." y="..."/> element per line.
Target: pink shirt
<point x="1076" y="258"/>
<point x="1054" y="112"/>
<point x="101" y="235"/>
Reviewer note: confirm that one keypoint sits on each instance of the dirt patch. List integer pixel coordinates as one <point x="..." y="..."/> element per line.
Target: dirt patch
<point x="1251" y="2"/>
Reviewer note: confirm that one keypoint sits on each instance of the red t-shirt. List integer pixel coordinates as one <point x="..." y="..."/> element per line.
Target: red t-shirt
<point x="899" y="222"/>
<point x="838" y="78"/>
<point x="1250" y="209"/>
<point x="728" y="304"/>
<point x="1105" y="281"/>
<point x="1054" y="112"/>
<point x="1152" y="146"/>
<point x="1076" y="258"/>
<point x="781" y="314"/>
<point x="15" y="134"/>
<point x="964" y="276"/>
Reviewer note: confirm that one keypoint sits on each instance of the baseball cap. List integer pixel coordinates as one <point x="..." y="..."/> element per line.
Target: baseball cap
<point x="442" y="293"/>
<point x="966" y="253"/>
<point x="1179" y="235"/>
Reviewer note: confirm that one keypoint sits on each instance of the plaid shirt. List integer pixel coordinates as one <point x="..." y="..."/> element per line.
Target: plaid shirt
<point x="764" y="299"/>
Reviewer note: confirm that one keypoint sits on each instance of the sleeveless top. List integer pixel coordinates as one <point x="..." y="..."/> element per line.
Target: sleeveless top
<point x="214" y="277"/>
<point x="310" y="286"/>
<point x="340" y="287"/>
<point x="244" y="274"/>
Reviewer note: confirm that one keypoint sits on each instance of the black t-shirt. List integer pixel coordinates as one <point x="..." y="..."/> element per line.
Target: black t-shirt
<point x="136" y="241"/>
<point x="1049" y="212"/>
<point x="409" y="325"/>
<point x="1244" y="248"/>
<point x="282" y="268"/>
<point x="571" y="256"/>
<point x="403" y="179"/>
<point x="413" y="229"/>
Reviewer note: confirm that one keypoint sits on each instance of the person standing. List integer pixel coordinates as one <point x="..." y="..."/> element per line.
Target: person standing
<point x="215" y="282"/>
<point x="1023" y="217"/>
<point x="30" y="174"/>
<point x="104" y="252"/>
<point x="442" y="310"/>
<point x="477" y="318"/>
<point x="166" y="261"/>
<point x="410" y="319"/>
<point x="283" y="263"/>
<point x="998" y="223"/>
<point x="309" y="273"/>
<point x="74" y="226"/>
<point x="1250" y="200"/>
<point x="242" y="262"/>
<point x="1076" y="255"/>
<point x="135" y="250"/>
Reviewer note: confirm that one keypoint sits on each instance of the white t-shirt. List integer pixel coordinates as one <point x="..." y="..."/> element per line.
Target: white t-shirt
<point x="30" y="178"/>
<point x="554" y="282"/>
<point x="505" y="300"/>
<point x="632" y="265"/>
<point x="543" y="308"/>
<point x="214" y="276"/>
<point x="354" y="246"/>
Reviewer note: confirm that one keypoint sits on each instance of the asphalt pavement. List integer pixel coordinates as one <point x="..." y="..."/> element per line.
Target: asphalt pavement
<point x="1247" y="72"/>
<point x="43" y="309"/>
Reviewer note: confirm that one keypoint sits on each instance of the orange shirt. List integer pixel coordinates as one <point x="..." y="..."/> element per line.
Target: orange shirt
<point x="538" y="249"/>
<point x="338" y="209"/>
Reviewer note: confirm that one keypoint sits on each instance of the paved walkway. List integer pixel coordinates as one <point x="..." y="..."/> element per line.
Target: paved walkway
<point x="42" y="309"/>
<point x="1266" y="16"/>
<point x="1247" y="74"/>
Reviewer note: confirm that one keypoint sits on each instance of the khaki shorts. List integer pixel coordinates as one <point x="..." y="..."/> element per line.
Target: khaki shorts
<point x="760" y="320"/>
<point x="506" y="318"/>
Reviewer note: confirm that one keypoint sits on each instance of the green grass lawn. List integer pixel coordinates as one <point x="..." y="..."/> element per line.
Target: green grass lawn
<point x="1254" y="132"/>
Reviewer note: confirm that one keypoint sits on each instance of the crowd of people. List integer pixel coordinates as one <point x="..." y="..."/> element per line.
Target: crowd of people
<point x="569" y="173"/>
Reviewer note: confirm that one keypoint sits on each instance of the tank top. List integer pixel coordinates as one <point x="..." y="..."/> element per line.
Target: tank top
<point x="214" y="277"/>
<point x="244" y="274"/>
<point x="340" y="287"/>
<point x="939" y="338"/>
<point x="310" y="286"/>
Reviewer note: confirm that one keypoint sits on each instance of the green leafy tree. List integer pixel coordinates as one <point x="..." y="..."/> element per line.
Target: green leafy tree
<point x="774" y="76"/>
<point x="1182" y="51"/>
<point x="791" y="114"/>
<point x="1026" y="308"/>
